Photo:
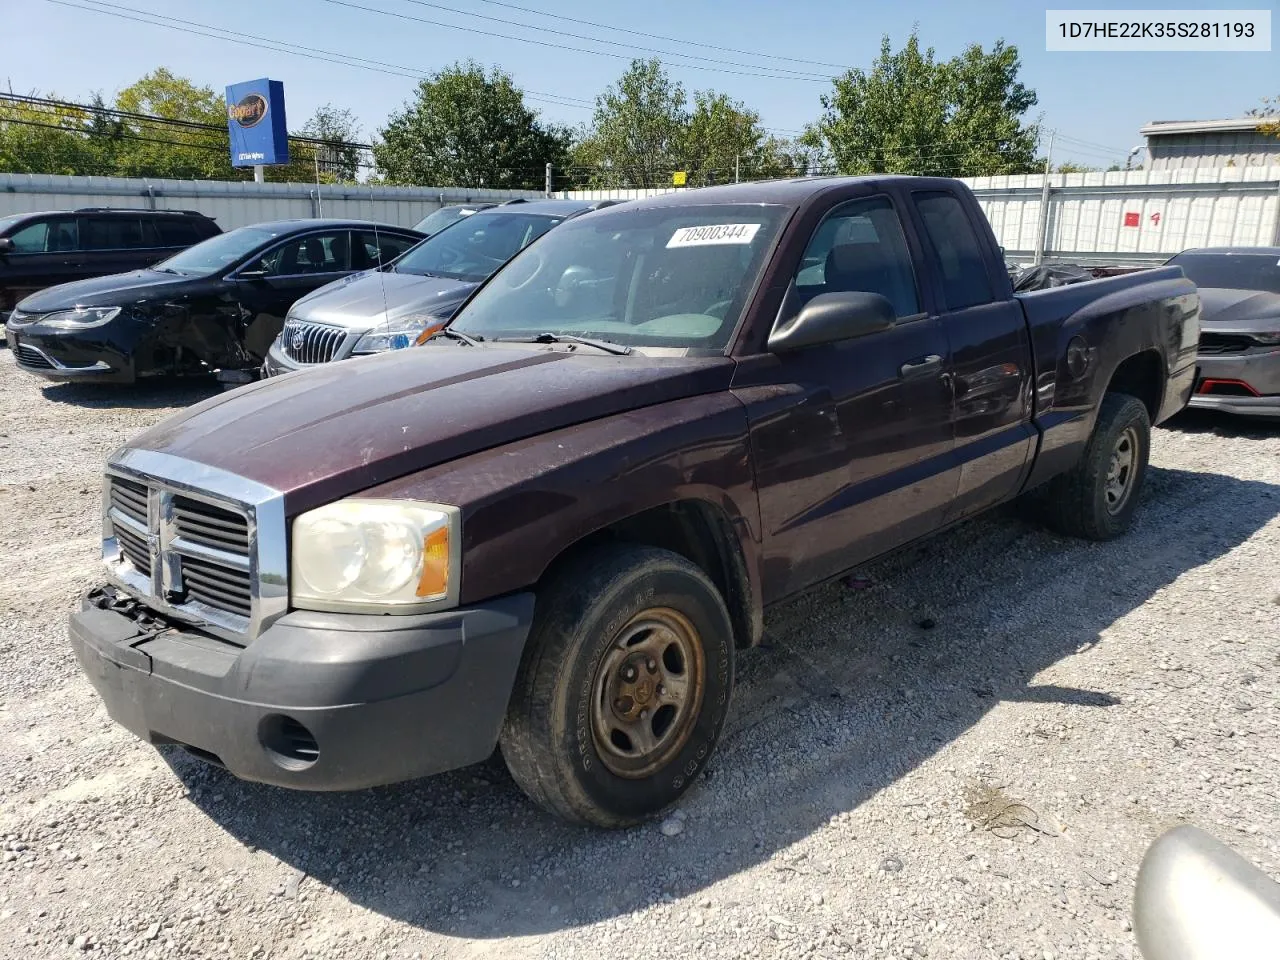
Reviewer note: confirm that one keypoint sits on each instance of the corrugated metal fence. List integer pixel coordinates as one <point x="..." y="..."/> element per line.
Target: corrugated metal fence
<point x="237" y="204"/>
<point x="1137" y="216"/>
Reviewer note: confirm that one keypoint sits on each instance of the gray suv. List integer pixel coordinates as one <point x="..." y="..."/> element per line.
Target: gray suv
<point x="398" y="305"/>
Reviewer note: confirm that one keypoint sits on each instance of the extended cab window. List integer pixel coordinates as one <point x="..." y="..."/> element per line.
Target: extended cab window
<point x="860" y="246"/>
<point x="957" y="255"/>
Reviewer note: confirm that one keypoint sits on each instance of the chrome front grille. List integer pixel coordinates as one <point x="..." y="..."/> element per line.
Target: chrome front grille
<point x="310" y="343"/>
<point x="31" y="357"/>
<point x="202" y="545"/>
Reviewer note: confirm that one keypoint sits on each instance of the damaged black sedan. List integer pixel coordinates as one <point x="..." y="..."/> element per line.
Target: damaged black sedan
<point x="216" y="306"/>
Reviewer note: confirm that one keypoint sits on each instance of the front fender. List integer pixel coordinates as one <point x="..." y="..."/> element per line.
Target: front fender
<point x="526" y="503"/>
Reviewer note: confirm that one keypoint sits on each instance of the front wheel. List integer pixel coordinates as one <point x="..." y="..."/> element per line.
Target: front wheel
<point x="624" y="686"/>
<point x="1096" y="499"/>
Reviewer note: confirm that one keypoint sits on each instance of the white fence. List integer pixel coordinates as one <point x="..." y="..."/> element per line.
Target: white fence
<point x="1136" y="216"/>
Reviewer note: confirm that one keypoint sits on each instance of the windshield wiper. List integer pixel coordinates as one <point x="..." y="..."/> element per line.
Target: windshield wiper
<point x="608" y="347"/>
<point x="458" y="335"/>
<point x="167" y="270"/>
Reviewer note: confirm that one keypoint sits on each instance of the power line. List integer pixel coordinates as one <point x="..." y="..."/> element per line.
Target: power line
<point x="105" y="111"/>
<point x="283" y="46"/>
<point x="798" y="74"/>
<point x="562" y="46"/>
<point x="655" y="36"/>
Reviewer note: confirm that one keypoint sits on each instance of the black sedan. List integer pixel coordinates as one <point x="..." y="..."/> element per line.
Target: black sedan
<point x="216" y="306"/>
<point x="1239" y="357"/>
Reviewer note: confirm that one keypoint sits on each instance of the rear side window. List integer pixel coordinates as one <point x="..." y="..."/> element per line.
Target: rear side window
<point x="175" y="232"/>
<point x="860" y="246"/>
<point x="957" y="254"/>
<point x="111" y="233"/>
<point x="373" y="248"/>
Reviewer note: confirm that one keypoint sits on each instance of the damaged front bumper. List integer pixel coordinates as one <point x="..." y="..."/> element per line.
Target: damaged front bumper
<point x="67" y="356"/>
<point x="318" y="701"/>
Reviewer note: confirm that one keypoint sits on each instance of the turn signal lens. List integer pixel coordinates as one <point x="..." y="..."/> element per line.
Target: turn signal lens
<point x="428" y="333"/>
<point x="434" y="582"/>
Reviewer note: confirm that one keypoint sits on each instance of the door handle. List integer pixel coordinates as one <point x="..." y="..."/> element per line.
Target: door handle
<point x="920" y="368"/>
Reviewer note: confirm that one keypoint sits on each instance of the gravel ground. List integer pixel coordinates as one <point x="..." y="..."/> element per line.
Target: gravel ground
<point x="961" y="754"/>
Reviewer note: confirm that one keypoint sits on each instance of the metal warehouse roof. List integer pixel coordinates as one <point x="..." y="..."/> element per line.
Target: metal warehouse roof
<point x="1159" y="128"/>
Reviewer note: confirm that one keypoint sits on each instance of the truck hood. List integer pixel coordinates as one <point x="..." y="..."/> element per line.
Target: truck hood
<point x="334" y="430"/>
<point x="118" y="289"/>
<point x="1224" y="310"/>
<point x="364" y="300"/>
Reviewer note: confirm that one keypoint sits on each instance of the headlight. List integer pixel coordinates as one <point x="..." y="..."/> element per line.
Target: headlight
<point x="398" y="333"/>
<point x="376" y="556"/>
<point x="79" y="317"/>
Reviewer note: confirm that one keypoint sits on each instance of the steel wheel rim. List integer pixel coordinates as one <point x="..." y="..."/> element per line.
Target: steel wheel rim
<point x="1120" y="473"/>
<point x="647" y="693"/>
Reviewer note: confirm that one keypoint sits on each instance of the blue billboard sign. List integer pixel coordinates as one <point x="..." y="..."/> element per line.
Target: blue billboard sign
<point x="256" y="123"/>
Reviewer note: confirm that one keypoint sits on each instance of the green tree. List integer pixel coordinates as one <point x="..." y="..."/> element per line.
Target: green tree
<point x="637" y="131"/>
<point x="46" y="139"/>
<point x="338" y="160"/>
<point x="156" y="150"/>
<point x="1268" y="116"/>
<point x="723" y="141"/>
<point x="1075" y="168"/>
<point x="466" y="127"/>
<point x="911" y="113"/>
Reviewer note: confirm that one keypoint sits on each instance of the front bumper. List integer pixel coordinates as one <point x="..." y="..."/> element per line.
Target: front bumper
<point x="1259" y="370"/>
<point x="318" y="701"/>
<point x="66" y="357"/>
<point x="277" y="363"/>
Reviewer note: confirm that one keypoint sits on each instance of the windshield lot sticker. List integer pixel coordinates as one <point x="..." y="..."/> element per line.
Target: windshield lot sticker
<point x="714" y="234"/>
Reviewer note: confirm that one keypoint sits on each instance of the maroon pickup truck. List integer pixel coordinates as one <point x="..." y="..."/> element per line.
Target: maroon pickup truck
<point x="553" y="527"/>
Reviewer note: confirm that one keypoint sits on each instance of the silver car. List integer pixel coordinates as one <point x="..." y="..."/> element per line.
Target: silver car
<point x="397" y="305"/>
<point x="1239" y="356"/>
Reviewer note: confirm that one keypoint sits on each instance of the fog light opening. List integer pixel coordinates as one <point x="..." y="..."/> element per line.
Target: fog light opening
<point x="289" y="744"/>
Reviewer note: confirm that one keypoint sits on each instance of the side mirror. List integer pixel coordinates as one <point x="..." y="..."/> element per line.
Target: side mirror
<point x="6" y="245"/>
<point x="832" y="317"/>
<point x="251" y="274"/>
<point x="1196" y="899"/>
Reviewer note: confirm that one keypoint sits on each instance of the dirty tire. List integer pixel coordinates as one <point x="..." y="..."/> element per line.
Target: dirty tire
<point x="1076" y="503"/>
<point x="551" y="740"/>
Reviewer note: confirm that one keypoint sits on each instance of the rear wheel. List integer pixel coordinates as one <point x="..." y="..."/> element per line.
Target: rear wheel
<point x="1096" y="499"/>
<point x="624" y="686"/>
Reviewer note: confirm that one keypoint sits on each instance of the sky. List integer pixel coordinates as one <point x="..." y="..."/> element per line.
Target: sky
<point x="1096" y="101"/>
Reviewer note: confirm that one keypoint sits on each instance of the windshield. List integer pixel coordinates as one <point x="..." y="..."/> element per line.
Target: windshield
<point x="217" y="253"/>
<point x="435" y="222"/>
<point x="474" y="249"/>
<point x="669" y="277"/>
<point x="1232" y="271"/>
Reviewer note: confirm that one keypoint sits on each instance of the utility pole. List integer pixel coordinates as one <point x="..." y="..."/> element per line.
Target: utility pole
<point x="1043" y="225"/>
<point x="548" y="180"/>
<point x="259" y="173"/>
<point x="736" y="159"/>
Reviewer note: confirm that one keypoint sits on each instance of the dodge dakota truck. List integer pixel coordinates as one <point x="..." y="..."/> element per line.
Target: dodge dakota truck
<point x="551" y="528"/>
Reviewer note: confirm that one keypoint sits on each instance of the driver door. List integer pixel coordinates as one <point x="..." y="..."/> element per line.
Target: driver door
<point x="852" y="440"/>
<point x="268" y="287"/>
